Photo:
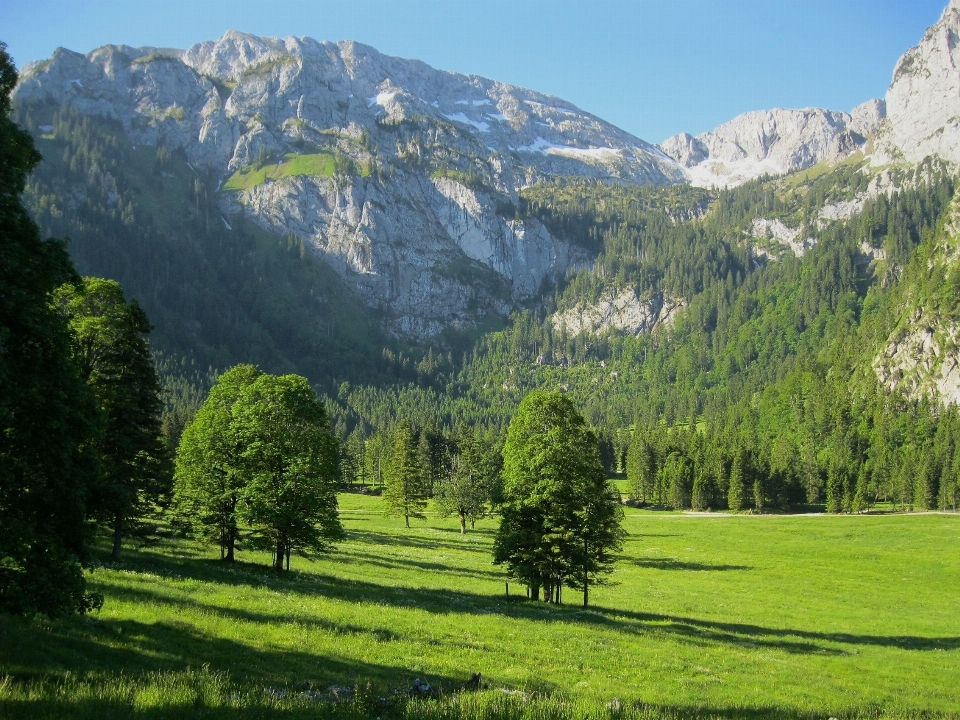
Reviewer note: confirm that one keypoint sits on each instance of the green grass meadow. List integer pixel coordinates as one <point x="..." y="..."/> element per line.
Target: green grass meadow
<point x="725" y="616"/>
<point x="321" y="164"/>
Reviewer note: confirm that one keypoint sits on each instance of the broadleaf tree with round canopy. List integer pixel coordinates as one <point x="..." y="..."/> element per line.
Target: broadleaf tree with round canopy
<point x="560" y="518"/>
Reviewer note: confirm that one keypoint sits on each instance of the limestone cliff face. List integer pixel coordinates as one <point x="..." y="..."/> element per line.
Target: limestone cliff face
<point x="921" y="358"/>
<point x="417" y="215"/>
<point x="620" y="310"/>
<point x="923" y="101"/>
<point x="772" y="142"/>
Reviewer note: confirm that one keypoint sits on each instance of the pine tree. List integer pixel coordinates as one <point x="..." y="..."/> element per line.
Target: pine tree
<point x="736" y="492"/>
<point x="758" y="495"/>
<point x="700" y="499"/>
<point x="406" y="487"/>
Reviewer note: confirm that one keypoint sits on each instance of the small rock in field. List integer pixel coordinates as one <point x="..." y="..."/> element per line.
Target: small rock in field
<point x="420" y="687"/>
<point x="340" y="693"/>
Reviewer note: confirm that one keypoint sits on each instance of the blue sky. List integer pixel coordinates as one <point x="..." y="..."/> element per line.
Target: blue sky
<point x="652" y="67"/>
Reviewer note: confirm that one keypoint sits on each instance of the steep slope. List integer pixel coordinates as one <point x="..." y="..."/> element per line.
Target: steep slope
<point x="923" y="101"/>
<point x="402" y="177"/>
<point x="921" y="357"/>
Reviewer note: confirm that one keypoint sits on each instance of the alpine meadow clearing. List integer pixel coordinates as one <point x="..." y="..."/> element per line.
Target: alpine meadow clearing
<point x="707" y="616"/>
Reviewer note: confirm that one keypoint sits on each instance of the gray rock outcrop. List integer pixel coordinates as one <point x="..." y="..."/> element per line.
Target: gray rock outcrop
<point x="923" y="101"/>
<point x="772" y="142"/>
<point x="418" y="218"/>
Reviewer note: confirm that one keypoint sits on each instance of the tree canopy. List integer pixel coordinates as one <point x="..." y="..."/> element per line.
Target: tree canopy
<point x="48" y="420"/>
<point x="111" y="351"/>
<point x="560" y="519"/>
<point x="209" y="479"/>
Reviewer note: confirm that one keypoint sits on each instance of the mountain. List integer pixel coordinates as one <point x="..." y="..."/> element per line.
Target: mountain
<point x="919" y="117"/>
<point x="921" y="356"/>
<point x="923" y="101"/>
<point x="773" y="142"/>
<point x="402" y="178"/>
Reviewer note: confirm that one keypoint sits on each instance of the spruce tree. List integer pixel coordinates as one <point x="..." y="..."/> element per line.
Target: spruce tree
<point x="48" y="417"/>
<point x="700" y="498"/>
<point x="736" y="491"/>
<point x="114" y="358"/>
<point x="758" y="495"/>
<point x="406" y="486"/>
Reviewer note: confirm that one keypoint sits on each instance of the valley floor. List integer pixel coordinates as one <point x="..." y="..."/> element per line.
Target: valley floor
<point x="707" y="617"/>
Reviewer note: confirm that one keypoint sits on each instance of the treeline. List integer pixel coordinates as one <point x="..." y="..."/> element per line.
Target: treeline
<point x="781" y="347"/>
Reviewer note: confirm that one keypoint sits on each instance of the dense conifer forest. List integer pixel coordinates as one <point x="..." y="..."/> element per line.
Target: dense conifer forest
<point x="764" y="372"/>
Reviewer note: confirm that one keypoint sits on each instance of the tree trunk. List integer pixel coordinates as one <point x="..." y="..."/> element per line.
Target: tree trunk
<point x="117" y="536"/>
<point x="534" y="592"/>
<point x="586" y="574"/>
<point x="407" y="518"/>
<point x="231" y="532"/>
<point x="278" y="556"/>
<point x="463" y="524"/>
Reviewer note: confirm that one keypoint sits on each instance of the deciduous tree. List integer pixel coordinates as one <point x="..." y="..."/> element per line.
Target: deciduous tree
<point x="210" y="480"/>
<point x="110" y="348"/>
<point x="560" y="519"/>
<point x="289" y="460"/>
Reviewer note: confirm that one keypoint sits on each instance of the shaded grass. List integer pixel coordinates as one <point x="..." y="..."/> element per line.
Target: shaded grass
<point x="709" y="617"/>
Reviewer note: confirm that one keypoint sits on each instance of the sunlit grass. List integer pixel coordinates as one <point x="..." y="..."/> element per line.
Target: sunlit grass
<point x="320" y="164"/>
<point x="710" y="616"/>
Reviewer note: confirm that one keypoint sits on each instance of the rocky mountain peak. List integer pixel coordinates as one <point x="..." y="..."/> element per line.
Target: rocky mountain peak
<point x="395" y="173"/>
<point x="923" y="101"/>
<point x="772" y="142"/>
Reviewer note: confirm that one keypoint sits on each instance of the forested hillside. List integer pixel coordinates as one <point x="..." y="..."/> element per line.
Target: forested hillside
<point x="768" y="353"/>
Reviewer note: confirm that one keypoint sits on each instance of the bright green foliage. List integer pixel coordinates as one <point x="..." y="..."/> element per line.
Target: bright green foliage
<point x="209" y="478"/>
<point x="467" y="489"/>
<point x="113" y="356"/>
<point x="676" y="479"/>
<point x="735" y="493"/>
<point x="407" y="485"/>
<point x="48" y="419"/>
<point x="560" y="519"/>
<point x="641" y="468"/>
<point x="289" y="463"/>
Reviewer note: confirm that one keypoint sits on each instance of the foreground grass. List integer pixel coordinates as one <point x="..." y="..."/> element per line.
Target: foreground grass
<point x="711" y="617"/>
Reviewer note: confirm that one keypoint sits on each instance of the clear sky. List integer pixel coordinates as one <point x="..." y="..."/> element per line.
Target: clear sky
<point x="652" y="67"/>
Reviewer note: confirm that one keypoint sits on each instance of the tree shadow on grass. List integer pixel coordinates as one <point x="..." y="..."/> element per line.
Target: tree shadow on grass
<point x="379" y="538"/>
<point x="446" y="601"/>
<point x="86" y="646"/>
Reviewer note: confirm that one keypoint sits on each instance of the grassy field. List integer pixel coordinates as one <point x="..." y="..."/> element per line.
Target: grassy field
<point x="804" y="617"/>
<point x="321" y="164"/>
